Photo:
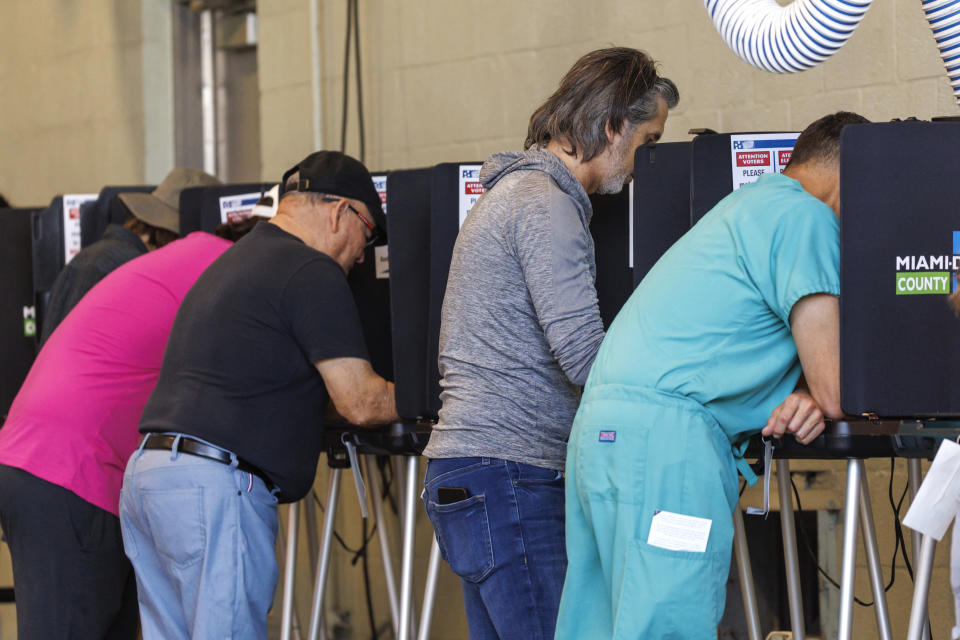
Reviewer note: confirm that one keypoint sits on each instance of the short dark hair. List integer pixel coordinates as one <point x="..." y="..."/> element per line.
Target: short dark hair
<point x="156" y="236"/>
<point x="607" y="86"/>
<point x="233" y="231"/>
<point x="820" y="141"/>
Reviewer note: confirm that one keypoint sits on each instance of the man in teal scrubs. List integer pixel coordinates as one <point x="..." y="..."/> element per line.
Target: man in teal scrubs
<point x="708" y="351"/>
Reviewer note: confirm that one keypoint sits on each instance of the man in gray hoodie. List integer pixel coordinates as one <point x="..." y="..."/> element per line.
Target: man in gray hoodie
<point x="519" y="331"/>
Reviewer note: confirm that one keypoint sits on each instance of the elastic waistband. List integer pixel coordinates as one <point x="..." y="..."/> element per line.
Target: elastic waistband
<point x="632" y="394"/>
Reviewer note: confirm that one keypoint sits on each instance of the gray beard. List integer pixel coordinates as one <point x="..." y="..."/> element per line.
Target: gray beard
<point x="613" y="184"/>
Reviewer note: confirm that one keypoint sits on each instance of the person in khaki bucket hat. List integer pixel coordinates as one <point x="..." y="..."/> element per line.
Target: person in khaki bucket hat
<point x="161" y="207"/>
<point x="154" y="222"/>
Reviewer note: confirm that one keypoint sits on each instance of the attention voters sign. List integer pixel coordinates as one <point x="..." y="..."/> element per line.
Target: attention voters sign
<point x="754" y="154"/>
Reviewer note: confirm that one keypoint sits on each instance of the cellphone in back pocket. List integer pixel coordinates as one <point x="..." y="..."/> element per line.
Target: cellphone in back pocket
<point x="449" y="495"/>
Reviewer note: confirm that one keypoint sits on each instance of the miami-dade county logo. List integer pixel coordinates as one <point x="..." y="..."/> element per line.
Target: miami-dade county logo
<point x="929" y="274"/>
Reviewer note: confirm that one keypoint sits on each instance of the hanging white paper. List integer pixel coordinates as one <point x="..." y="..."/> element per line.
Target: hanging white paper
<point x="381" y="255"/>
<point x="470" y="189"/>
<point x="237" y="208"/>
<point x="71" y="223"/>
<point x="935" y="506"/>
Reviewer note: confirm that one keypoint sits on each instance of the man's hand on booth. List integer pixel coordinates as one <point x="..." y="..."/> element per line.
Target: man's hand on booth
<point x="800" y="415"/>
<point x="358" y="394"/>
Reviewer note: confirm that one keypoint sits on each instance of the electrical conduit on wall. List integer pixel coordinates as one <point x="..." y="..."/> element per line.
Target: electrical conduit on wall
<point x="944" y="19"/>
<point x="787" y="39"/>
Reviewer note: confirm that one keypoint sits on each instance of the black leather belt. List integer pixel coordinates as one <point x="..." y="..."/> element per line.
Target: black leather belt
<point x="202" y="450"/>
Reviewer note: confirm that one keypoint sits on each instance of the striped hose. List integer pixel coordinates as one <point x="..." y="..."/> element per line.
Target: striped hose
<point x="944" y="19"/>
<point x="792" y="38"/>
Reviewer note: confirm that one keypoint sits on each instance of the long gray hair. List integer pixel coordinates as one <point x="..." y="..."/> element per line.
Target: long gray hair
<point x="607" y="86"/>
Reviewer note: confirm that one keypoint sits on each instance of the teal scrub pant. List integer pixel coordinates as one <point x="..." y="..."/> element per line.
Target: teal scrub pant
<point x="666" y="454"/>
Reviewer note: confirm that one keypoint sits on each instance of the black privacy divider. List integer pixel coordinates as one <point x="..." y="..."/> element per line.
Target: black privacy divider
<point x="370" y="284"/>
<point x="200" y="207"/>
<point x="18" y="325"/>
<point x="446" y="201"/>
<point x="107" y="208"/>
<point x="661" y="202"/>
<point x="610" y="227"/>
<point x="900" y="242"/>
<point x="46" y="239"/>
<point x="711" y="178"/>
<point x="408" y="227"/>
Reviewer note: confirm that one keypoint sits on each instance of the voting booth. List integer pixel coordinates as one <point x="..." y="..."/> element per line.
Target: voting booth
<point x="203" y="208"/>
<point x="408" y="232"/>
<point x="370" y="284"/>
<point x="18" y="324"/>
<point x="900" y="253"/>
<point x="610" y="227"/>
<point x="661" y="202"/>
<point x="95" y="215"/>
<point x="454" y="189"/>
<point x="900" y="239"/>
<point x="55" y="239"/>
<point x="428" y="207"/>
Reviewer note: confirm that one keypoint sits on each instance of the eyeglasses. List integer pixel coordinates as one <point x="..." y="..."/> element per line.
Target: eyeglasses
<point x="374" y="235"/>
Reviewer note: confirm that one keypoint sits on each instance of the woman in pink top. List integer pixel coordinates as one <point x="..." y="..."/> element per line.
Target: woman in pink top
<point x="68" y="436"/>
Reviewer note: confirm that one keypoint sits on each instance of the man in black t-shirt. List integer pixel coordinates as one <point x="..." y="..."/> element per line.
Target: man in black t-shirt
<point x="267" y="336"/>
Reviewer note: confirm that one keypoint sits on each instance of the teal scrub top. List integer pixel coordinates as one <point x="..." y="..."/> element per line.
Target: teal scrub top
<point x="711" y="319"/>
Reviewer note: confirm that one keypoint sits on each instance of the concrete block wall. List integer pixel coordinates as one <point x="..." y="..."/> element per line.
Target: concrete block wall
<point x="453" y="81"/>
<point x="71" y="111"/>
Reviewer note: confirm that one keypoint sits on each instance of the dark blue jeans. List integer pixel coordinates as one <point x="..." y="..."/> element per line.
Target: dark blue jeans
<point x="505" y="541"/>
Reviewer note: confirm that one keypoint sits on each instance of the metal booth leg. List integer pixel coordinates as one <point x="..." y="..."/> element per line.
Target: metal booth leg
<point x="407" y="623"/>
<point x="747" y="588"/>
<point x="289" y="570"/>
<point x="921" y="589"/>
<point x="790" y="560"/>
<point x="429" y="591"/>
<point x="873" y="562"/>
<point x="849" y="557"/>
<point x="323" y="563"/>
<point x="914" y="478"/>
<point x="376" y="494"/>
<point x="313" y="542"/>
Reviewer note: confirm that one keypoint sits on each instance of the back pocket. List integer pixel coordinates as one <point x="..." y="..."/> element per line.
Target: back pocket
<point x="676" y="595"/>
<point x="463" y="533"/>
<point x="175" y="518"/>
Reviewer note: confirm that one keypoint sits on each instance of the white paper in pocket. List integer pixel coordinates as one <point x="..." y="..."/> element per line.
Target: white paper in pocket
<point x="936" y="503"/>
<point x="679" y="532"/>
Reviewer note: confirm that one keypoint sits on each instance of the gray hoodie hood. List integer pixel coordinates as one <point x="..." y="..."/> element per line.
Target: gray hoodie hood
<point x="501" y="164"/>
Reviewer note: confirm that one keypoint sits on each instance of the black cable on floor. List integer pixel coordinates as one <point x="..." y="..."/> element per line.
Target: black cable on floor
<point x="899" y="542"/>
<point x="363" y="546"/>
<point x="813" y="556"/>
<point x="366" y="583"/>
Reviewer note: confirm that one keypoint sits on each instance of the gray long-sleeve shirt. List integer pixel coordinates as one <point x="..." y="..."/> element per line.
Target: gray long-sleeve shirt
<point x="520" y="324"/>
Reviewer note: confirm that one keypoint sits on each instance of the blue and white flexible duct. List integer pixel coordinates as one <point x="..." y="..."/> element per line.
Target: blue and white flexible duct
<point x="944" y="19"/>
<point x="786" y="39"/>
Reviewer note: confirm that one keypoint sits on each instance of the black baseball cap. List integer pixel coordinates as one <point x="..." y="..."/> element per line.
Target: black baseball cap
<point x="337" y="174"/>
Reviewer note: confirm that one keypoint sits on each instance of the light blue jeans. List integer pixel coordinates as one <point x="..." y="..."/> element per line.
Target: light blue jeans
<point x="200" y="535"/>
